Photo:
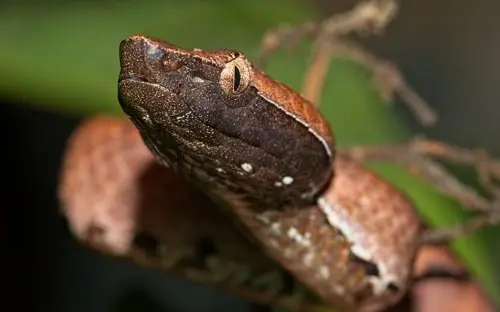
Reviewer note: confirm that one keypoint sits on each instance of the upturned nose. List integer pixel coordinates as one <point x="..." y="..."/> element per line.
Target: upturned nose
<point x="133" y="57"/>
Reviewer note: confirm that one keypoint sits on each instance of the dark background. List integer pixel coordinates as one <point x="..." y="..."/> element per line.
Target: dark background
<point x="447" y="49"/>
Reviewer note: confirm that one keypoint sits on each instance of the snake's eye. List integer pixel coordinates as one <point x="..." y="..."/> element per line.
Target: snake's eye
<point x="235" y="76"/>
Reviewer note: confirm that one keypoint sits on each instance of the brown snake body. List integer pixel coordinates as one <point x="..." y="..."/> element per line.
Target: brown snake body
<point x="339" y="229"/>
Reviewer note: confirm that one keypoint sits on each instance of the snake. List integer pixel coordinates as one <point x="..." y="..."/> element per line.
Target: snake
<point x="221" y="150"/>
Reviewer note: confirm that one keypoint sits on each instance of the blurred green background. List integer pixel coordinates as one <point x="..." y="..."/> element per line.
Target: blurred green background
<point x="59" y="63"/>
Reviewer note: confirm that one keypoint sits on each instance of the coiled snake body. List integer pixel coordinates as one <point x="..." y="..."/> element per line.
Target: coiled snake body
<point x="266" y="157"/>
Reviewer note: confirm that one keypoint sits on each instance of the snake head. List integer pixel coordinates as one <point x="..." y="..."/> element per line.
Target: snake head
<point x="222" y="124"/>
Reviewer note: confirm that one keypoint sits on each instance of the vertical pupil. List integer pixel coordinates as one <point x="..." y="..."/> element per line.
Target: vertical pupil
<point x="237" y="78"/>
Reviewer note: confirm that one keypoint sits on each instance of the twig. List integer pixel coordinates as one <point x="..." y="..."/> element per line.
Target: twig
<point x="487" y="169"/>
<point x="416" y="156"/>
<point x="427" y="169"/>
<point x="372" y="17"/>
<point x="439" y="236"/>
<point x="368" y="17"/>
<point x="315" y="75"/>
<point x="418" y="151"/>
